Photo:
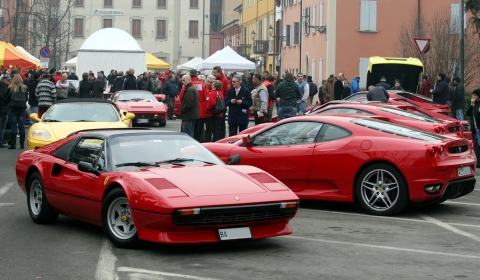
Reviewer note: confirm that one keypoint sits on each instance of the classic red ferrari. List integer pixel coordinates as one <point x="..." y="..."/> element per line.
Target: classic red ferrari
<point x="382" y="165"/>
<point x="143" y="104"/>
<point x="151" y="185"/>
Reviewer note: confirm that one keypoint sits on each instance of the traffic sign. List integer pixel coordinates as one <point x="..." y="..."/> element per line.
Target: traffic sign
<point x="421" y="44"/>
<point x="45" y="52"/>
<point x="44" y="62"/>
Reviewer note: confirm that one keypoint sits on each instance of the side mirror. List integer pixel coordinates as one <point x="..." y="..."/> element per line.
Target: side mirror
<point x="128" y="116"/>
<point x="247" y="141"/>
<point x="88" y="168"/>
<point x="34" y="117"/>
<point x="235" y="159"/>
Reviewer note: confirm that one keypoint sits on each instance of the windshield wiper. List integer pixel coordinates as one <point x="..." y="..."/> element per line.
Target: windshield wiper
<point x="83" y="121"/>
<point x="177" y="160"/>
<point x="51" y="120"/>
<point x="138" y="163"/>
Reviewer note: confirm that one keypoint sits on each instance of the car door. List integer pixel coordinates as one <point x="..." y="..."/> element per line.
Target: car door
<point x="81" y="189"/>
<point x="332" y="164"/>
<point x="285" y="151"/>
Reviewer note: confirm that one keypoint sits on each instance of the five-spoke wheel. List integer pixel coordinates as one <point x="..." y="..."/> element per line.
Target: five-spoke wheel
<point x="37" y="202"/>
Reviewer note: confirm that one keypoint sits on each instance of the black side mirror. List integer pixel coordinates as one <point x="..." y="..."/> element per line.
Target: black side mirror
<point x="87" y="167"/>
<point x="235" y="159"/>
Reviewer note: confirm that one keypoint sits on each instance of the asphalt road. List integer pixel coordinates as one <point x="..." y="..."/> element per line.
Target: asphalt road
<point x="330" y="241"/>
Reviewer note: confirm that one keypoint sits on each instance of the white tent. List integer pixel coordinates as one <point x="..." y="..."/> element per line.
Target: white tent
<point x="228" y="59"/>
<point x="72" y="62"/>
<point x="190" y="64"/>
<point x="111" y="48"/>
<point x="27" y="53"/>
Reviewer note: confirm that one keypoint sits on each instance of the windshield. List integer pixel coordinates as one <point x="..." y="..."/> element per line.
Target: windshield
<point x="81" y="112"/>
<point x="356" y="96"/>
<point x="139" y="151"/>
<point x="403" y="113"/>
<point x="399" y="130"/>
<point x="136" y="96"/>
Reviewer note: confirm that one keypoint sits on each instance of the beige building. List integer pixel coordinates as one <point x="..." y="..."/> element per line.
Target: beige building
<point x="172" y="30"/>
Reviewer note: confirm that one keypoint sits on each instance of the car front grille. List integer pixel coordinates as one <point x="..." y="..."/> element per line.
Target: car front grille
<point x="466" y="126"/>
<point x="235" y="215"/>
<point x="458" y="149"/>
<point x="454" y="128"/>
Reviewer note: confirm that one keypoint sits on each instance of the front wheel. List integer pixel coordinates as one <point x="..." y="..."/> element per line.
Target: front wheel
<point x="162" y="123"/>
<point x="117" y="220"/>
<point x="382" y="190"/>
<point x="38" y="206"/>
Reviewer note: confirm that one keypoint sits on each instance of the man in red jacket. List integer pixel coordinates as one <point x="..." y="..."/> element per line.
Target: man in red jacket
<point x="226" y="85"/>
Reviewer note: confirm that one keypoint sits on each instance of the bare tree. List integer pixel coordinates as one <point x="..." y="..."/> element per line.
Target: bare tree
<point x="444" y="46"/>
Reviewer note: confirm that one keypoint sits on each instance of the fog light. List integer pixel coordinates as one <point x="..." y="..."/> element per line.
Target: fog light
<point x="189" y="212"/>
<point x="286" y="205"/>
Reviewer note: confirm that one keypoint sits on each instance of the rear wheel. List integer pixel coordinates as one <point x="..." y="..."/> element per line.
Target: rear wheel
<point x="117" y="220"/>
<point x="382" y="190"/>
<point x="38" y="206"/>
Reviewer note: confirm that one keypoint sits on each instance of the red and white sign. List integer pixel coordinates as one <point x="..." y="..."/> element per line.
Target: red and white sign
<point x="421" y="44"/>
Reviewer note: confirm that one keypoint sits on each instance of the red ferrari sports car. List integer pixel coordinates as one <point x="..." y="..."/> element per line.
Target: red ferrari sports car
<point x="176" y="109"/>
<point x="397" y="115"/>
<point x="151" y="185"/>
<point x="382" y="165"/>
<point x="143" y="104"/>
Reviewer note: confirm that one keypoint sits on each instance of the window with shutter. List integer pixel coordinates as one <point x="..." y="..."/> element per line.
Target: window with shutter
<point x="161" y="4"/>
<point x="296" y="33"/>
<point x="161" y="28"/>
<point x="78" y="3"/>
<point x="193" y="29"/>
<point x="137" y="28"/>
<point x="193" y="4"/>
<point x="107" y="23"/>
<point x="362" y="70"/>
<point x="136" y="3"/>
<point x="368" y="16"/>
<point x="320" y="14"/>
<point x="320" y="72"/>
<point x="78" y="27"/>
<point x="107" y="3"/>
<point x="314" y="19"/>
<point x="287" y="35"/>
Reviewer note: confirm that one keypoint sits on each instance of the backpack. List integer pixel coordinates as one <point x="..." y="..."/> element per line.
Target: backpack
<point x="18" y="100"/>
<point x="220" y="107"/>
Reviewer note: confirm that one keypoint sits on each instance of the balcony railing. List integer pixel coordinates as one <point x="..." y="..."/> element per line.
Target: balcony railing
<point x="244" y="50"/>
<point x="266" y="47"/>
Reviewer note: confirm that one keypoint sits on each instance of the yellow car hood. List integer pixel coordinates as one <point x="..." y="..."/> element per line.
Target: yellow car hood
<point x="61" y="130"/>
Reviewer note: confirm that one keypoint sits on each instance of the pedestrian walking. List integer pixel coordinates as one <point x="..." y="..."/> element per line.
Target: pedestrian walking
<point x="145" y="83"/>
<point x="45" y="93"/>
<point x="313" y="90"/>
<point x="305" y="92"/>
<point x="85" y="87"/>
<point x="328" y="89"/>
<point x="3" y="111"/>
<point x="259" y="100"/>
<point x="32" y="84"/>
<point x="440" y="93"/>
<point x="214" y="94"/>
<point x="17" y="96"/>
<point x="171" y="92"/>
<point x="62" y="87"/>
<point x="474" y="113"/>
<point x="355" y="85"/>
<point x="226" y="85"/>
<point x="287" y="94"/>
<point x="270" y="83"/>
<point x="426" y="87"/>
<point x="238" y="101"/>
<point x="129" y="81"/>
<point x="338" y="86"/>
<point x="458" y="98"/>
<point x="189" y="111"/>
<point x="98" y="87"/>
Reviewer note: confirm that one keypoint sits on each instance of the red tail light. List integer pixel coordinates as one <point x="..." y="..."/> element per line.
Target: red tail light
<point x="437" y="129"/>
<point x="440" y="149"/>
<point x="432" y="150"/>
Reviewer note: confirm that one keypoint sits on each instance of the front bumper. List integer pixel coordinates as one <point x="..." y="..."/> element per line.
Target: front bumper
<point x="35" y="143"/>
<point x="160" y="228"/>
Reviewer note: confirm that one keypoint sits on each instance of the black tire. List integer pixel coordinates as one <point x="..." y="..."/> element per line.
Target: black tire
<point x="162" y="123"/>
<point x="382" y="198"/>
<point x="37" y="202"/>
<point x="114" y="201"/>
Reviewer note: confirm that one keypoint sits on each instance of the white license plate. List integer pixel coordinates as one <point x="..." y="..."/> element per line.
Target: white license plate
<point x="234" y="233"/>
<point x="462" y="171"/>
<point x="142" y="120"/>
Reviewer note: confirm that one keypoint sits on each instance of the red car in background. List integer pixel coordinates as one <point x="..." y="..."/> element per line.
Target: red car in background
<point x="151" y="185"/>
<point x="398" y="115"/>
<point x="143" y="104"/>
<point x="382" y="165"/>
<point x="176" y="109"/>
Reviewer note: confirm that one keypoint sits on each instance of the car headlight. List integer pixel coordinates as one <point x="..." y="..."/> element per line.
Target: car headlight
<point x="40" y="134"/>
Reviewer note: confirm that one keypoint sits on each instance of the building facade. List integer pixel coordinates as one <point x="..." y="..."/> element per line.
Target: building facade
<point x="331" y="36"/>
<point x="172" y="30"/>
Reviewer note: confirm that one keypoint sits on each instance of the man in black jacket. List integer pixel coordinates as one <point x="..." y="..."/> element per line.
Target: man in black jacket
<point x="171" y="91"/>
<point x="338" y="87"/>
<point x="473" y="113"/>
<point x="189" y="109"/>
<point x="130" y="81"/>
<point x="111" y="77"/>
<point x="313" y="91"/>
<point x="145" y="83"/>
<point x="439" y="94"/>
<point x="458" y="102"/>
<point x="238" y="101"/>
<point x="32" y="99"/>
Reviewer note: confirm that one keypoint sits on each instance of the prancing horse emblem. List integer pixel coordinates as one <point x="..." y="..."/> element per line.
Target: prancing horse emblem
<point x="236" y="198"/>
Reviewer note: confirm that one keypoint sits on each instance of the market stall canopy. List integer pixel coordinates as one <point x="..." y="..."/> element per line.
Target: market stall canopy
<point x="11" y="56"/>
<point x="228" y="59"/>
<point x="190" y="64"/>
<point x="27" y="54"/>
<point x="111" y="48"/>
<point x="154" y="62"/>
<point x="72" y="62"/>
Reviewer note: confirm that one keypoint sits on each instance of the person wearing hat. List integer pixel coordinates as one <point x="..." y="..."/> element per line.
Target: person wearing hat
<point x="383" y="83"/>
<point x="474" y="113"/>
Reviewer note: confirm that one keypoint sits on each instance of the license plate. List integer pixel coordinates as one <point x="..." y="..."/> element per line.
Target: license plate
<point x="234" y="233"/>
<point x="462" y="171"/>
<point x="142" y="120"/>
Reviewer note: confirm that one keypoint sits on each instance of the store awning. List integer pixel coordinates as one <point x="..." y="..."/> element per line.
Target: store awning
<point x="11" y="57"/>
<point x="155" y="63"/>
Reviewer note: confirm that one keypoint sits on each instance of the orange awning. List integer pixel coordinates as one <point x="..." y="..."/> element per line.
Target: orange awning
<point x="9" y="55"/>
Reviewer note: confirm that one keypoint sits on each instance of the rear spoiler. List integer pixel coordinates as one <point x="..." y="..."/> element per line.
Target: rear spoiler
<point x="103" y="129"/>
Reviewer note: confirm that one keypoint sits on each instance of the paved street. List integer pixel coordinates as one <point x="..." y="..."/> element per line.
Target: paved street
<point x="330" y="241"/>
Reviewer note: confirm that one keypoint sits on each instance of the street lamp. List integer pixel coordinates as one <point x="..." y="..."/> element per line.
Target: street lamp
<point x="253" y="35"/>
<point x="180" y="50"/>
<point x="270" y="31"/>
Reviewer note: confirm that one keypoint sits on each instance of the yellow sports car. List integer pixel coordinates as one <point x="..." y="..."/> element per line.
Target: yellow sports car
<point x="70" y="115"/>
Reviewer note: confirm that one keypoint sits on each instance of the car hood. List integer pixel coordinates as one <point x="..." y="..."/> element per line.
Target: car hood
<point x="211" y="180"/>
<point x="141" y="106"/>
<point x="63" y="129"/>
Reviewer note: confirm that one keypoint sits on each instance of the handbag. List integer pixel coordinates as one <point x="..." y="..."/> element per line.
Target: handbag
<point x="220" y="106"/>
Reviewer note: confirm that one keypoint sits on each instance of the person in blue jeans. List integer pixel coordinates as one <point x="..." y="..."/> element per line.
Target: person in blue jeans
<point x="287" y="94"/>
<point x="3" y="111"/>
<point x="458" y="99"/>
<point x="17" y="95"/>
